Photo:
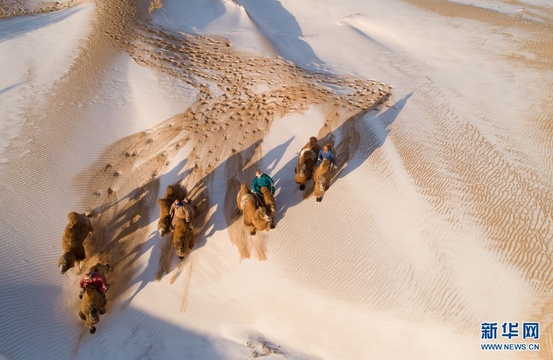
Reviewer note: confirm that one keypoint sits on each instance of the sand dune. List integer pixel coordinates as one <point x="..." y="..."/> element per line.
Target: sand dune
<point x="437" y="220"/>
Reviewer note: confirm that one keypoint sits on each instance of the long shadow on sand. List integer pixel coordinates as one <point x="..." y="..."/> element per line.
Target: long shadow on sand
<point x="360" y="136"/>
<point x="282" y="29"/>
<point x="14" y="27"/>
<point x="46" y="317"/>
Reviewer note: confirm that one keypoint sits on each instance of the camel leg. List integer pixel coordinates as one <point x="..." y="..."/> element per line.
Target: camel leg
<point x="82" y="316"/>
<point x="272" y="223"/>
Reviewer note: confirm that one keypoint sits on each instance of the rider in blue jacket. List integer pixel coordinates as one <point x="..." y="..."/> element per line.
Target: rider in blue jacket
<point x="326" y="153"/>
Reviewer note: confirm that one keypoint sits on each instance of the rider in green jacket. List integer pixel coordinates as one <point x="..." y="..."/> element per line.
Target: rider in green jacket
<point x="261" y="180"/>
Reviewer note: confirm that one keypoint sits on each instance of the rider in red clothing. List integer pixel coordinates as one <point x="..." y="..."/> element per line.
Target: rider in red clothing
<point x="93" y="279"/>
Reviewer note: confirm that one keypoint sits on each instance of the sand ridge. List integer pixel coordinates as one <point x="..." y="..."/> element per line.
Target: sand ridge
<point x="238" y="97"/>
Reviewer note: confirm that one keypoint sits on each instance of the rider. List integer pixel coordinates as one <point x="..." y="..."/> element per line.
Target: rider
<point x="180" y="210"/>
<point x="326" y="153"/>
<point x="95" y="279"/>
<point x="260" y="180"/>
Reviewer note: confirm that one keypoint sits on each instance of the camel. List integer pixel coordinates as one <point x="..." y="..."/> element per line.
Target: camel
<point x="187" y="211"/>
<point x="304" y="167"/>
<point x="93" y="303"/>
<point x="321" y="178"/>
<point x="270" y="204"/>
<point x="183" y="238"/>
<point x="254" y="218"/>
<point x="172" y="192"/>
<point x="75" y="233"/>
<point x="243" y="191"/>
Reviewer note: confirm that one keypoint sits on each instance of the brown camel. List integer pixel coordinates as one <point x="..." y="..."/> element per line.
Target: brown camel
<point x="254" y="218"/>
<point x="93" y="303"/>
<point x="304" y="167"/>
<point x="183" y="238"/>
<point x="75" y="233"/>
<point x="172" y="192"/>
<point x="270" y="204"/>
<point x="321" y="178"/>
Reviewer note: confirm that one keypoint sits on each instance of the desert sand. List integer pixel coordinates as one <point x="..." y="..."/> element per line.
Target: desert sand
<point x="438" y="219"/>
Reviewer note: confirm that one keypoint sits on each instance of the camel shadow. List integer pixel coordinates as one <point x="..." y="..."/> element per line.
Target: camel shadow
<point x="360" y="136"/>
<point x="230" y="169"/>
<point x="196" y="18"/>
<point x="15" y="27"/>
<point x="122" y="333"/>
<point x="114" y="232"/>
<point x="356" y="139"/>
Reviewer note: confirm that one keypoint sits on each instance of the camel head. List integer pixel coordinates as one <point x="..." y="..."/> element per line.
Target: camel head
<point x="163" y="225"/>
<point x="264" y="218"/>
<point x="73" y="218"/>
<point x="322" y="183"/>
<point x="320" y="186"/>
<point x="93" y="314"/>
<point x="271" y="209"/>
<point x="181" y="249"/>
<point x="92" y="317"/>
<point x="264" y="215"/>
<point x="66" y="262"/>
<point x="183" y="239"/>
<point x="303" y="169"/>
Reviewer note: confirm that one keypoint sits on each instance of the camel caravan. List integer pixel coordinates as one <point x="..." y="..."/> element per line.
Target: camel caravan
<point x="177" y="215"/>
<point x="258" y="204"/>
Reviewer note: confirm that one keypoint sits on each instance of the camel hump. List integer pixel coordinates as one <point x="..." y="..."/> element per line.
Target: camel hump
<point x="175" y="191"/>
<point x="73" y="217"/>
<point x="313" y="142"/>
<point x="310" y="152"/>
